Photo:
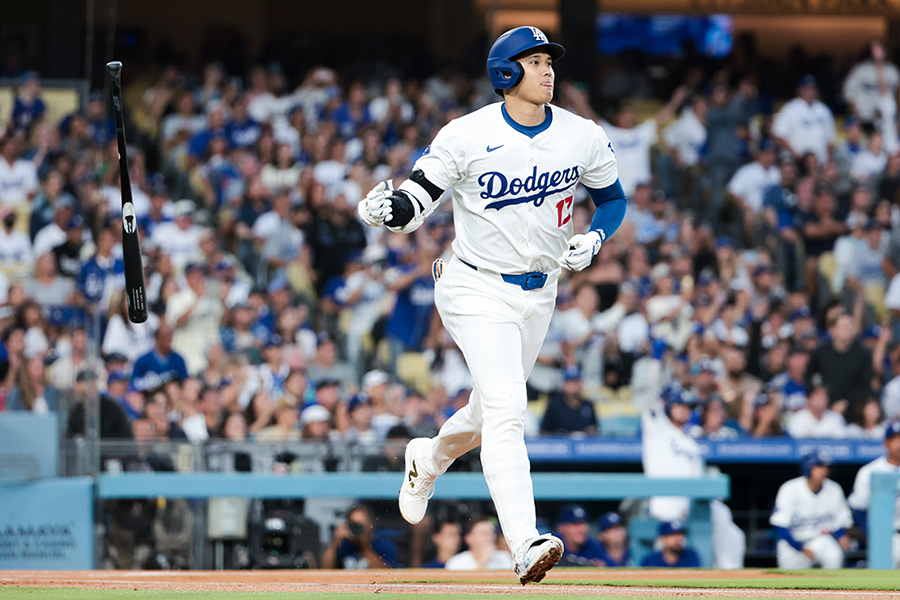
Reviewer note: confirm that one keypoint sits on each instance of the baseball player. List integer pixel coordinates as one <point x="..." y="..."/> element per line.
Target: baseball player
<point x="613" y="538"/>
<point x="667" y="450"/>
<point x="573" y="529"/>
<point x="513" y="167"/>
<point x="811" y="516"/>
<point x="862" y="487"/>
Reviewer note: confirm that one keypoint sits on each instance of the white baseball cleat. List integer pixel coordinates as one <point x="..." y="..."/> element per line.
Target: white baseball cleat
<point x="537" y="556"/>
<point x="416" y="489"/>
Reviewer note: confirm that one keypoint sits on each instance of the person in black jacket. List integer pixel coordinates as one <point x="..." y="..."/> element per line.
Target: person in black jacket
<point x="114" y="423"/>
<point x="845" y="365"/>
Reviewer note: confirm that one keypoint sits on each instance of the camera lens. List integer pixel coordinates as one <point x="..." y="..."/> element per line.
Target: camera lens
<point x="355" y="528"/>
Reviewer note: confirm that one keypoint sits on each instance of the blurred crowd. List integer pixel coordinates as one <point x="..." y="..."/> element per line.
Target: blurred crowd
<point x="755" y="274"/>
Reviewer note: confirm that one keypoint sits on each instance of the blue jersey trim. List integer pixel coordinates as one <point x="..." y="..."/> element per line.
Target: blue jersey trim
<point x="532" y="130"/>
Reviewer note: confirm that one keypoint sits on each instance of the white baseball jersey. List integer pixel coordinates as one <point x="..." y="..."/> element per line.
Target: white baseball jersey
<point x="632" y="147"/>
<point x="667" y="451"/>
<point x="751" y="181"/>
<point x="17" y="181"/>
<point x="687" y="135"/>
<point x="512" y="194"/>
<point x="862" y="89"/>
<point x="802" y="424"/>
<point x="806" y="127"/>
<point x="862" y="486"/>
<point x="807" y="515"/>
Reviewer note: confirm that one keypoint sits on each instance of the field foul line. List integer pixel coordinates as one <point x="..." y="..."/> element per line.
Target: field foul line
<point x="546" y="589"/>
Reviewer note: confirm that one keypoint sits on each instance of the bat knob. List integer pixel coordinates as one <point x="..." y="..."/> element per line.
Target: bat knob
<point x="114" y="67"/>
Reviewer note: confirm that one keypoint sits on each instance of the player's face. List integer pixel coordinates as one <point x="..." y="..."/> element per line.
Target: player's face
<point x="673" y="542"/>
<point x="613" y="536"/>
<point x="574" y="534"/>
<point x="680" y="414"/>
<point x="819" y="473"/>
<point x="893" y="448"/>
<point x="537" y="82"/>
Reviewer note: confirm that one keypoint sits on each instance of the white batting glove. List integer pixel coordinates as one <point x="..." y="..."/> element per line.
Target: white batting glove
<point x="375" y="208"/>
<point x="582" y="249"/>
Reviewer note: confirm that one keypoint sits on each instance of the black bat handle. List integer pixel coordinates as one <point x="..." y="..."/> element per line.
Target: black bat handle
<point x="115" y="74"/>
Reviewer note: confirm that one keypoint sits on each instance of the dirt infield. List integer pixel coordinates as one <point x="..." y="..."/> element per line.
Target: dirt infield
<point x="413" y="582"/>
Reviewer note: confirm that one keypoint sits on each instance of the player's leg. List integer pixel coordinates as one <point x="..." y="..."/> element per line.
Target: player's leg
<point x="729" y="542"/>
<point x="492" y="346"/>
<point x="789" y="558"/>
<point x="829" y="553"/>
<point x="428" y="458"/>
<point x="455" y="296"/>
<point x="459" y="434"/>
<point x="535" y="556"/>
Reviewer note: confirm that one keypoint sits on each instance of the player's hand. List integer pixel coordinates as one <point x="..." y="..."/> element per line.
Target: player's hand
<point x="375" y="208"/>
<point x="582" y="249"/>
<point x="809" y="553"/>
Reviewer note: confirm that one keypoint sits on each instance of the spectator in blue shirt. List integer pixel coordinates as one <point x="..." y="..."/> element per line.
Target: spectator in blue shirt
<point x="409" y="324"/>
<point x="243" y="131"/>
<point x="447" y="541"/>
<point x="673" y="553"/>
<point x="567" y="411"/>
<point x="353" y="113"/>
<point x="613" y="539"/>
<point x="100" y="122"/>
<point x="356" y="545"/>
<point x="198" y="146"/>
<point x="161" y="209"/>
<point x="160" y="365"/>
<point x="28" y="108"/>
<point x="573" y="528"/>
<point x="103" y="272"/>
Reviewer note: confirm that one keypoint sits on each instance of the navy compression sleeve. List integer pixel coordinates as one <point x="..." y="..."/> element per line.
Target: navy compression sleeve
<point x="610" y="205"/>
<point x="785" y="534"/>
<point x="860" y="518"/>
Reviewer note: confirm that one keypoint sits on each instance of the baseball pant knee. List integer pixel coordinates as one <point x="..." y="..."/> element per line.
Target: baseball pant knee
<point x="829" y="554"/>
<point x="789" y="558"/>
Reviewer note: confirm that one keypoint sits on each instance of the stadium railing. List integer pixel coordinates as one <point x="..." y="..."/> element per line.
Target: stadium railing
<point x="451" y="486"/>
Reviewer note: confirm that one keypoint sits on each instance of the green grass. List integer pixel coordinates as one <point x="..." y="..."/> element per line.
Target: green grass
<point x="812" y="579"/>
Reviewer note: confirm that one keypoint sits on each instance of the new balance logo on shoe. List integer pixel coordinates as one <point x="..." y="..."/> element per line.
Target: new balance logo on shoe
<point x="413" y="473"/>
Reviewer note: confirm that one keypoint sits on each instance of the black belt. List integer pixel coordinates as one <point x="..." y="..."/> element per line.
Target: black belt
<point x="527" y="281"/>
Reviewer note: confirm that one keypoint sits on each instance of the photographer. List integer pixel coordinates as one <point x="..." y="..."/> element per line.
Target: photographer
<point x="354" y="545"/>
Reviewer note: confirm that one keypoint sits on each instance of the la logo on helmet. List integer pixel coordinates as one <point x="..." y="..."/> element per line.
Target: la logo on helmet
<point x="538" y="34"/>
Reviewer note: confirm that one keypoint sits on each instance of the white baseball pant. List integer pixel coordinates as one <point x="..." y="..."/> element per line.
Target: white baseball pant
<point x="829" y="554"/>
<point x="500" y="329"/>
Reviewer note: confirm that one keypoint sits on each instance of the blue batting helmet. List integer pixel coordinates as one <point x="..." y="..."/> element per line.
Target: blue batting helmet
<point x="816" y="458"/>
<point x="675" y="394"/>
<point x="504" y="72"/>
<point x="892" y="429"/>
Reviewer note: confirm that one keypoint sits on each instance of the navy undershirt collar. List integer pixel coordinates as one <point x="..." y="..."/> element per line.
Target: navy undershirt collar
<point x="532" y="130"/>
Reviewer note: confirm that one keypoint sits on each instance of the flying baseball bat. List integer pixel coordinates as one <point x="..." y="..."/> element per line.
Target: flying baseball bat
<point x="131" y="244"/>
